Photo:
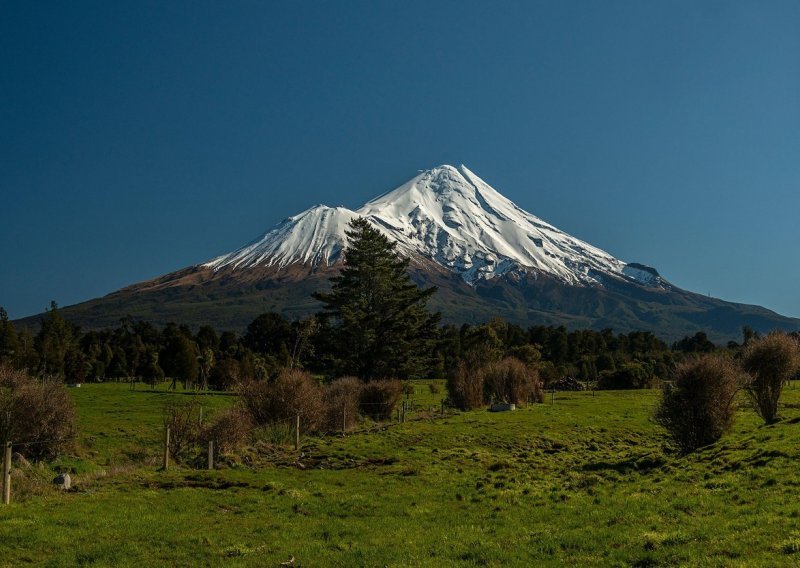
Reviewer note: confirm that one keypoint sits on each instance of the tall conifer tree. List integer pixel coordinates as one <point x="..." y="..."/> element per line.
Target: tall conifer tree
<point x="380" y="324"/>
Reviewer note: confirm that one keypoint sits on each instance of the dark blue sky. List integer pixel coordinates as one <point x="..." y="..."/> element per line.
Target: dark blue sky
<point x="141" y="138"/>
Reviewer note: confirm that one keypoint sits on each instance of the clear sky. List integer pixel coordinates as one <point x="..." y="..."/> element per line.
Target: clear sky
<point x="142" y="137"/>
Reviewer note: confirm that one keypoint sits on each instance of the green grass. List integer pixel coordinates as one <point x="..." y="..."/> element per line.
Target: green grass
<point x="585" y="481"/>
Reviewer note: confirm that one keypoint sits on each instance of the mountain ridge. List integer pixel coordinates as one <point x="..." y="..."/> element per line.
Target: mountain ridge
<point x="487" y="256"/>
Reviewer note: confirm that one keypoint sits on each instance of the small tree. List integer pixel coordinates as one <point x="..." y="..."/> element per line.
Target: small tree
<point x="770" y="362"/>
<point x="698" y="409"/>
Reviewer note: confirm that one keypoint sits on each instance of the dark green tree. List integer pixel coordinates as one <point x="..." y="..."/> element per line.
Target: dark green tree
<point x="268" y="335"/>
<point x="149" y="369"/>
<point x="53" y="341"/>
<point x="178" y="358"/>
<point x="8" y="338"/>
<point x="380" y="326"/>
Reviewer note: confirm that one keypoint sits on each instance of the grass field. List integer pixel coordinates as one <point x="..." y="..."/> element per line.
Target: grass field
<point x="585" y="481"/>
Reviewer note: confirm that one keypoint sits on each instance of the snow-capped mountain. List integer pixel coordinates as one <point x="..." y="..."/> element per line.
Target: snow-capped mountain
<point x="448" y="215"/>
<point x="486" y="256"/>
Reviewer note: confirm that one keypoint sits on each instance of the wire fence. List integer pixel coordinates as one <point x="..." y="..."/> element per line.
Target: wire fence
<point x="162" y="446"/>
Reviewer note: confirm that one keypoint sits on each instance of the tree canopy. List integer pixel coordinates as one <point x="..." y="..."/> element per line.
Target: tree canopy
<point x="379" y="317"/>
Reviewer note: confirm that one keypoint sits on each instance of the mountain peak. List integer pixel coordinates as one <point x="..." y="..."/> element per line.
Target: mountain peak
<point x="451" y="216"/>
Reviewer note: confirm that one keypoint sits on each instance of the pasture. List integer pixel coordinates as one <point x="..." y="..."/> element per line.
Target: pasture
<point x="585" y="481"/>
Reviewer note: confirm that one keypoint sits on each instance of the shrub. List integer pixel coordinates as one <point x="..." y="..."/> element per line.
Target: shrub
<point x="629" y="375"/>
<point x="225" y="374"/>
<point x="434" y="388"/>
<point x="293" y="392"/>
<point x="231" y="429"/>
<point x="698" y="409"/>
<point x="509" y="380"/>
<point x="341" y="404"/>
<point x="770" y="362"/>
<point x="379" y="398"/>
<point x="183" y="420"/>
<point x="465" y="388"/>
<point x="37" y="413"/>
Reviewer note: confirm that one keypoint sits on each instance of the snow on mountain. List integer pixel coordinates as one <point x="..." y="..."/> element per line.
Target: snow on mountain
<point x="448" y="215"/>
<point x="315" y="236"/>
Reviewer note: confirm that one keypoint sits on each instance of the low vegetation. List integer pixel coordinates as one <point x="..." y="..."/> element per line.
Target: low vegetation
<point x="37" y="415"/>
<point x="771" y="362"/>
<point x="548" y="485"/>
<point x="699" y="408"/>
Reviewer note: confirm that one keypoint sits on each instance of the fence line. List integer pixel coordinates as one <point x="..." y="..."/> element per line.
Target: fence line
<point x="294" y="423"/>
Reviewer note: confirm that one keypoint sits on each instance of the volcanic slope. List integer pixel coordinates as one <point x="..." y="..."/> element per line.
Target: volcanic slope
<point x="488" y="257"/>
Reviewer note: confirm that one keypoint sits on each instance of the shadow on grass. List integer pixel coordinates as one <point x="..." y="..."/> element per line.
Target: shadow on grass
<point x="641" y="464"/>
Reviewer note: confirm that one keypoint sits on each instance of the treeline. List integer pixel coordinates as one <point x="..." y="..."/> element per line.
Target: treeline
<point x="208" y="358"/>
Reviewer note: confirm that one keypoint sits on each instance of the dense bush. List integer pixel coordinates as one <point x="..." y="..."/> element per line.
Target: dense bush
<point x="507" y="380"/>
<point x="293" y="392"/>
<point x="40" y="414"/>
<point x="341" y="404"/>
<point x="230" y="429"/>
<point x="510" y="380"/>
<point x="226" y="374"/>
<point x="629" y="375"/>
<point x="465" y="388"/>
<point x="770" y="362"/>
<point x="379" y="398"/>
<point x="698" y="409"/>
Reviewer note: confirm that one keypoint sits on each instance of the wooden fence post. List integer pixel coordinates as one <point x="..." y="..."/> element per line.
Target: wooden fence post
<point x="344" y="420"/>
<point x="297" y="433"/>
<point x="7" y="474"/>
<point x="211" y="454"/>
<point x="166" y="448"/>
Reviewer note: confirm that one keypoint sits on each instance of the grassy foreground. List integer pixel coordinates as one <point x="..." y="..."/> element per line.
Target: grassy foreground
<point x="585" y="482"/>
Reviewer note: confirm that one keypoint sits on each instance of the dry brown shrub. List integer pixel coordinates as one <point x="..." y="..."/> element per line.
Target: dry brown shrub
<point x="341" y="404"/>
<point x="699" y="408"/>
<point x="510" y="380"/>
<point x="292" y="393"/>
<point x="465" y="388"/>
<point x="231" y="429"/>
<point x="37" y="417"/>
<point x="770" y="363"/>
<point x="183" y="419"/>
<point x="379" y="398"/>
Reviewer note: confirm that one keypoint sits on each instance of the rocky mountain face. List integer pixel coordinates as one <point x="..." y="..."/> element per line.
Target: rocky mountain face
<point x="488" y="257"/>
